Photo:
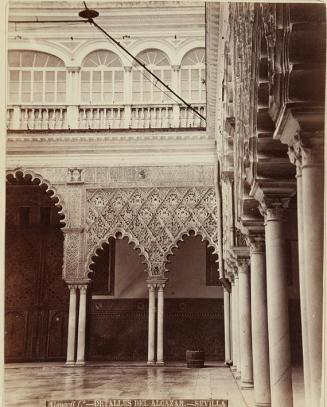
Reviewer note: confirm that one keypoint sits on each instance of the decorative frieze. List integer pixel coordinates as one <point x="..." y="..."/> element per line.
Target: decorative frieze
<point x="154" y="219"/>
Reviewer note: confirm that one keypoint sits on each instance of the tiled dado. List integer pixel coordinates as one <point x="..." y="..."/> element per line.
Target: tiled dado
<point x="118" y="329"/>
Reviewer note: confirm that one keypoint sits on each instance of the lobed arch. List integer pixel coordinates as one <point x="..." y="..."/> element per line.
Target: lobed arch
<point x="192" y="230"/>
<point x="118" y="233"/>
<point x="52" y="49"/>
<point x="37" y="179"/>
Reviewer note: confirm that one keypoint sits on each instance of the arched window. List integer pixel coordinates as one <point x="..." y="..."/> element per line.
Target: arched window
<point x="35" y="78"/>
<point x="193" y="75"/>
<point x="143" y="89"/>
<point x="102" y="78"/>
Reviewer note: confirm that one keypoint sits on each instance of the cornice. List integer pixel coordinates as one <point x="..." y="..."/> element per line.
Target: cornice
<point x="95" y="136"/>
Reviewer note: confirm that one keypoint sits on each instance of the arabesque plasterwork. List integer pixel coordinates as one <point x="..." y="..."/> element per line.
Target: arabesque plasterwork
<point x="154" y="219"/>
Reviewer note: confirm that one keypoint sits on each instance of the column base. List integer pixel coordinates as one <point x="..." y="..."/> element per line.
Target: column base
<point x="151" y="363"/>
<point x="80" y="363"/>
<point x="160" y="363"/>
<point x="263" y="404"/>
<point x="70" y="363"/>
<point x="245" y="385"/>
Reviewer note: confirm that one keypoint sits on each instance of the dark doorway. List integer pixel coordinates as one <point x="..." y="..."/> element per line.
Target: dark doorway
<point x="117" y="323"/>
<point x="36" y="297"/>
<point x="194" y="308"/>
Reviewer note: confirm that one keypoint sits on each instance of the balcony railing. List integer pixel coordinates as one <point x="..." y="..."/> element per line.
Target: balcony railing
<point x="104" y="117"/>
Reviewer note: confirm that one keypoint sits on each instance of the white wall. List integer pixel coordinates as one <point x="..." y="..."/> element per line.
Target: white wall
<point x="186" y="276"/>
<point x="187" y="272"/>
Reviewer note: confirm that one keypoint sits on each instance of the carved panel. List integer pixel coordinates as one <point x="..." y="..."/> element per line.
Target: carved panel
<point x="73" y="197"/>
<point x="153" y="218"/>
<point x="73" y="267"/>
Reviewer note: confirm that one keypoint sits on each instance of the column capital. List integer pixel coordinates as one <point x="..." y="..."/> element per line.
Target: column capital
<point x="307" y="148"/>
<point x="313" y="156"/>
<point x="128" y="68"/>
<point x="295" y="155"/>
<point x="72" y="287"/>
<point x="158" y="283"/>
<point x="243" y="265"/>
<point x="73" y="69"/>
<point x="256" y="243"/>
<point x="175" y="68"/>
<point x="82" y="288"/>
<point x="274" y="208"/>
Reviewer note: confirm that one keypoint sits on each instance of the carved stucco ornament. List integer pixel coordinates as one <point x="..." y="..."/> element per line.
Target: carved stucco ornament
<point x="153" y="219"/>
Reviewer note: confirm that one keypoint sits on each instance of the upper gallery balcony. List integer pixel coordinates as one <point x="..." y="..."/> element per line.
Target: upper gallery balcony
<point x="103" y="93"/>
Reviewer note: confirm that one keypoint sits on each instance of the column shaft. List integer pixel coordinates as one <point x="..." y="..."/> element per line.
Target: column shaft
<point x="151" y="325"/>
<point x="227" y="325"/>
<point x="303" y="295"/>
<point x="234" y="330"/>
<point x="259" y="319"/>
<point x="237" y="325"/>
<point x="81" y="326"/>
<point x="71" y="327"/>
<point x="277" y="305"/>
<point x="313" y="238"/>
<point x="160" y="326"/>
<point x="245" y="326"/>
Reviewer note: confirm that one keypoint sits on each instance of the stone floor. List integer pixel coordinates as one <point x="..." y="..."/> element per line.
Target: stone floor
<point x="29" y="385"/>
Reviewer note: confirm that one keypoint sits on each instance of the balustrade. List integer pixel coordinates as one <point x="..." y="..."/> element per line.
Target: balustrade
<point x="160" y="116"/>
<point x="101" y="117"/>
<point x="36" y="117"/>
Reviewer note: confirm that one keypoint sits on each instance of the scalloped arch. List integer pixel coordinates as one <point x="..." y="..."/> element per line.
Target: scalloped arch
<point x="187" y="232"/>
<point x="34" y="176"/>
<point x="131" y="240"/>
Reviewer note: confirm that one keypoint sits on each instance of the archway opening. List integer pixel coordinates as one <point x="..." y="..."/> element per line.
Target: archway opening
<point x="117" y="304"/>
<point x="193" y="301"/>
<point x="36" y="297"/>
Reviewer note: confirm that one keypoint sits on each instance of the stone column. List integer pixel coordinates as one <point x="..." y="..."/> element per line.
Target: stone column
<point x="313" y="238"/>
<point x="227" y="326"/>
<point x="234" y="331"/>
<point x="237" y="325"/>
<point x="151" y="324"/>
<point x="81" y="325"/>
<point x="71" y="326"/>
<point x="260" y="347"/>
<point x="295" y="158"/>
<point x="245" y="324"/>
<point x="277" y="304"/>
<point x="160" y="326"/>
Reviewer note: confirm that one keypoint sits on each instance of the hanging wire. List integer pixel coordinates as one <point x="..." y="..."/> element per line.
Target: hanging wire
<point x="88" y="16"/>
<point x="140" y="68"/>
<point x="91" y="14"/>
